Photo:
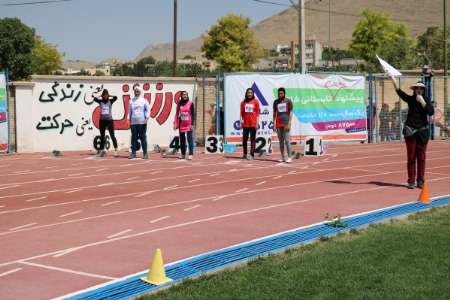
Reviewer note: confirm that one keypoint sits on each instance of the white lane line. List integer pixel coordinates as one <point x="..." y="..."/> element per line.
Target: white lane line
<point x="23" y="226"/>
<point x="76" y="174"/>
<point x="145" y="194"/>
<point x="105" y="184"/>
<point x="73" y="191"/>
<point x="198" y="221"/>
<point x="132" y="178"/>
<point x="118" y="234"/>
<point x="70" y="214"/>
<point x="170" y="187"/>
<point x="110" y="203"/>
<point x="186" y="175"/>
<point x="440" y="174"/>
<point x="219" y="198"/>
<point x="194" y="180"/>
<point x="35" y="199"/>
<point x="278" y="177"/>
<point x="192" y="207"/>
<point x="156" y="172"/>
<point x="292" y="172"/>
<point x="9" y="187"/>
<point x="10" y="272"/>
<point x="159" y="219"/>
<point x="102" y="169"/>
<point x="66" y="270"/>
<point x="190" y="201"/>
<point x="241" y="190"/>
<point x="209" y="198"/>
<point x="261" y="183"/>
<point x="65" y="252"/>
<point x="215" y="174"/>
<point x="2" y="206"/>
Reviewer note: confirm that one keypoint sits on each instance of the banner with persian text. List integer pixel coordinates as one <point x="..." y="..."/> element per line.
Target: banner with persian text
<point x="330" y="106"/>
<point x="3" y="114"/>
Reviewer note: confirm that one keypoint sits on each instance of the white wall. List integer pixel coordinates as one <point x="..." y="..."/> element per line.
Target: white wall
<point x="68" y="100"/>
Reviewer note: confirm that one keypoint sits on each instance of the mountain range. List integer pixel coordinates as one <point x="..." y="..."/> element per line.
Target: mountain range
<point x="320" y="15"/>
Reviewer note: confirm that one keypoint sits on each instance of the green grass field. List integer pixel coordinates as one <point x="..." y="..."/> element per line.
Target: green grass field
<point x="405" y="259"/>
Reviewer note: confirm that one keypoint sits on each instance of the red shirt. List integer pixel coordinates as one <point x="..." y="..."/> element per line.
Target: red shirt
<point x="250" y="113"/>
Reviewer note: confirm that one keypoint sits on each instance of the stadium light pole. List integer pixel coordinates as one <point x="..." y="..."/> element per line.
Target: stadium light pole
<point x="175" y="16"/>
<point x="301" y="37"/>
<point x="445" y="64"/>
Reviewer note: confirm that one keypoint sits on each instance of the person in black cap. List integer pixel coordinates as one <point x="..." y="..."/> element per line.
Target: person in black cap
<point x="416" y="130"/>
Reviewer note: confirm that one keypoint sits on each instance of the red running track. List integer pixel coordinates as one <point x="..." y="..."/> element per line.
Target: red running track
<point x="76" y="221"/>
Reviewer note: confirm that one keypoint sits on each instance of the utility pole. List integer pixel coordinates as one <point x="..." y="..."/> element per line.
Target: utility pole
<point x="292" y="55"/>
<point x="329" y="24"/>
<point x="301" y="37"/>
<point x="175" y="17"/>
<point x="445" y="65"/>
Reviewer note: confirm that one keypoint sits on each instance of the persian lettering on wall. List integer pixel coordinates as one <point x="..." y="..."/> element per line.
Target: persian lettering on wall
<point x="66" y="117"/>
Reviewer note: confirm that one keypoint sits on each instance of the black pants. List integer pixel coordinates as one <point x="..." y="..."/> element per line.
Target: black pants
<point x="190" y="139"/>
<point x="107" y="124"/>
<point x="139" y="132"/>
<point x="249" y="131"/>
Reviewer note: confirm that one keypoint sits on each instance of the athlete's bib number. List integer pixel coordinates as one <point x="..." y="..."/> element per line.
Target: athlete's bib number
<point x="249" y="108"/>
<point x="184" y="116"/>
<point x="214" y="144"/>
<point x="105" y="109"/>
<point x="282" y="107"/>
<point x="313" y="146"/>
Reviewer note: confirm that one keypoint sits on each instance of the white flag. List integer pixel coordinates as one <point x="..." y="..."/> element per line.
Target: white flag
<point x="390" y="70"/>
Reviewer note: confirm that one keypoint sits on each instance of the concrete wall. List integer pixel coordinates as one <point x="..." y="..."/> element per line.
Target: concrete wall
<point x="58" y="112"/>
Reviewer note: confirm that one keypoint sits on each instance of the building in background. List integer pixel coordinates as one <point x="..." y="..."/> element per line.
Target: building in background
<point x="280" y="57"/>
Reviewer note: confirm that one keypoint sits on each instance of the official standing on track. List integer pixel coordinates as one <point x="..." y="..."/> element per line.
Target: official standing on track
<point x="139" y="113"/>
<point x="185" y="122"/>
<point x="416" y="131"/>
<point x="249" y="122"/>
<point x="282" y="117"/>
<point x="106" y="121"/>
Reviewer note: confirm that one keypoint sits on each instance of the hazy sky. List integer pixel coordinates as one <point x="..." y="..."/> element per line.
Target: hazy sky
<point x="100" y="29"/>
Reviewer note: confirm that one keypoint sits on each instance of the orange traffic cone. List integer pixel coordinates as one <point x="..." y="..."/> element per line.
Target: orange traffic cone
<point x="157" y="273"/>
<point x="425" y="194"/>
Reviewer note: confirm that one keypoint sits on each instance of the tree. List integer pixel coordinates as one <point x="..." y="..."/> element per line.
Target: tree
<point x="231" y="43"/>
<point x="16" y="45"/>
<point x="99" y="73"/>
<point x="430" y="47"/>
<point x="141" y="67"/>
<point x="334" y="55"/>
<point x="46" y="59"/>
<point x="375" y="34"/>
